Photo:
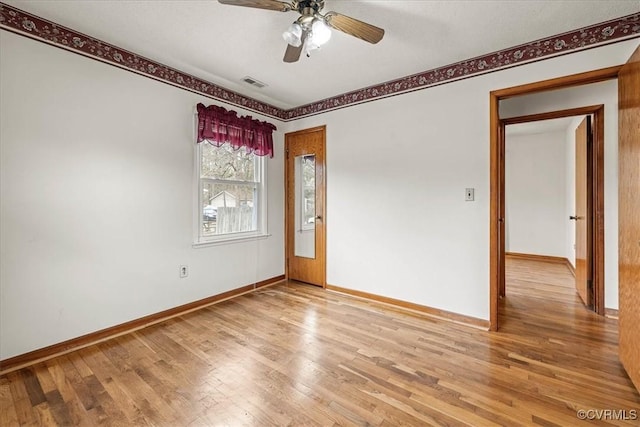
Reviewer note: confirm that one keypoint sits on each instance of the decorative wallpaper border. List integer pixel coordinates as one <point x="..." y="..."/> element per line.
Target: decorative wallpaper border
<point x="616" y="30"/>
<point x="32" y="26"/>
<point x="23" y="23"/>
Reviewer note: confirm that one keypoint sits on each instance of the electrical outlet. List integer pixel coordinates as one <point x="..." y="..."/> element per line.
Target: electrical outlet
<point x="184" y="271"/>
<point x="469" y="194"/>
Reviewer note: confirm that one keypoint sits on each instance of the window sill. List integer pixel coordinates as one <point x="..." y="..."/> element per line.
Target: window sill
<point x="229" y="240"/>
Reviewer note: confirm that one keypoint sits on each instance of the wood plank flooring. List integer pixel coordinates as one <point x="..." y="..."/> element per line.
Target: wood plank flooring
<point x="295" y="354"/>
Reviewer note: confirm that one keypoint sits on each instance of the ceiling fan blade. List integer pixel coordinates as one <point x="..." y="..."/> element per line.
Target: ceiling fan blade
<point x="260" y="4"/>
<point x="292" y="54"/>
<point x="362" y="30"/>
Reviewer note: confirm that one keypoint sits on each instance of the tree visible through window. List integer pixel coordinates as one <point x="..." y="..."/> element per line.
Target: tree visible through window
<point x="308" y="188"/>
<point x="231" y="190"/>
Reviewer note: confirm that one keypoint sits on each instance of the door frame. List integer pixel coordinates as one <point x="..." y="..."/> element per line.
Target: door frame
<point x="496" y="172"/>
<point x="288" y="238"/>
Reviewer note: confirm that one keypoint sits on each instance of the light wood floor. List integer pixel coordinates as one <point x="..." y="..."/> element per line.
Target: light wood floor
<point x="295" y="354"/>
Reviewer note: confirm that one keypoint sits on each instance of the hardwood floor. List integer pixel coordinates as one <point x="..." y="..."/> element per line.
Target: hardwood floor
<point x="296" y="354"/>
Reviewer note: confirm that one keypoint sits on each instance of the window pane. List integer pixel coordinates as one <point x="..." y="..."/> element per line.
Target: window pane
<point x="308" y="190"/>
<point x="226" y="163"/>
<point x="228" y="208"/>
<point x="309" y="206"/>
<point x="309" y="171"/>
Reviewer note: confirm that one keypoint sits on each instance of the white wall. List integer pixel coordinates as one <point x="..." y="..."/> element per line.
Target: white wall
<point x="600" y="93"/>
<point x="97" y="200"/>
<point x="535" y="192"/>
<point x="418" y="152"/>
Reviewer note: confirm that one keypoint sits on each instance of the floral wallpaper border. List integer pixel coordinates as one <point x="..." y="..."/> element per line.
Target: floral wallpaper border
<point x="608" y="32"/>
<point x="24" y="23"/>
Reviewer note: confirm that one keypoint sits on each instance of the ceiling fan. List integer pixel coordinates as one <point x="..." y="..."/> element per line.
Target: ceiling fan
<point x="311" y="29"/>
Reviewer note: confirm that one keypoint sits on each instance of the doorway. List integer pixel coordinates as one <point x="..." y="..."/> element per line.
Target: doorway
<point x="587" y="210"/>
<point x="305" y="215"/>
<point x="497" y="206"/>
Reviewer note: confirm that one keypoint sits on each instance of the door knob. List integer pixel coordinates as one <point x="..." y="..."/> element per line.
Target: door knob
<point x="575" y="218"/>
<point x="319" y="218"/>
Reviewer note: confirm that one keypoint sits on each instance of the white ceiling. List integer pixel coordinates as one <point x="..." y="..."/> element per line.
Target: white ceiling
<point x="222" y="44"/>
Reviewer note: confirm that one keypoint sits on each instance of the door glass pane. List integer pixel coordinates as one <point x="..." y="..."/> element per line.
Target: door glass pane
<point x="305" y="206"/>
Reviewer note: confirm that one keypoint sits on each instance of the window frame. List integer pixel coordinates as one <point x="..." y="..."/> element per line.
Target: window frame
<point x="260" y="202"/>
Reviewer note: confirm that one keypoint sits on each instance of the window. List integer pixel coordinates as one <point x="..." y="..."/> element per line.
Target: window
<point x="231" y="193"/>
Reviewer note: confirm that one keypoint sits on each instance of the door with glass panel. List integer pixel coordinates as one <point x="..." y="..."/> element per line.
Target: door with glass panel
<point x="305" y="211"/>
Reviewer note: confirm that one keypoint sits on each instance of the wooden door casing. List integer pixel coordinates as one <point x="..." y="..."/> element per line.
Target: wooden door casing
<point x="495" y="96"/>
<point x="308" y="270"/>
<point x="629" y="216"/>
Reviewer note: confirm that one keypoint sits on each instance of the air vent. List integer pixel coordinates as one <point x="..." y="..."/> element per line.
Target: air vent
<point x="253" y="82"/>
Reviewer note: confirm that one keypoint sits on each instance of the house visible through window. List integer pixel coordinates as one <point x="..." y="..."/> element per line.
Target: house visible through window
<point x="231" y="192"/>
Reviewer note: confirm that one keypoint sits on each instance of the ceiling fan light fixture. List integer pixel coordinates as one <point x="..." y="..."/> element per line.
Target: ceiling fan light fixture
<point x="293" y="35"/>
<point x="320" y="32"/>
<point x="312" y="29"/>
<point x="309" y="47"/>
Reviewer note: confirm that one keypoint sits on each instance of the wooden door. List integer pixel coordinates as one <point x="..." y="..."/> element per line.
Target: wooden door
<point x="502" y="213"/>
<point x="305" y="210"/>
<point x="582" y="216"/>
<point x="629" y="215"/>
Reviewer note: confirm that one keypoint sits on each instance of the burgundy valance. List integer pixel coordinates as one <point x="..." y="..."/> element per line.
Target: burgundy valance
<point x="218" y="126"/>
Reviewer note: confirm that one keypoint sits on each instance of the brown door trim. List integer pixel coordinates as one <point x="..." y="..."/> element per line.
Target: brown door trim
<point x="496" y="171"/>
<point x="289" y="238"/>
<point x="579" y="79"/>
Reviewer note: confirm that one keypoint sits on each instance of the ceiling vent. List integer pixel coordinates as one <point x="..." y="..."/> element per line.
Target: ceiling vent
<point x="253" y="82"/>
